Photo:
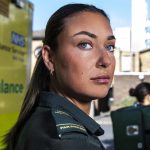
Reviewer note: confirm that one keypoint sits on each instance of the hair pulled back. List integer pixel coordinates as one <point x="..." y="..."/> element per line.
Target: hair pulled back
<point x="56" y="22"/>
<point x="40" y="80"/>
<point x="140" y="91"/>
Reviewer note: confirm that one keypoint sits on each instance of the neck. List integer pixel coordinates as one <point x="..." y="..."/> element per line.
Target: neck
<point x="84" y="106"/>
<point x="146" y="100"/>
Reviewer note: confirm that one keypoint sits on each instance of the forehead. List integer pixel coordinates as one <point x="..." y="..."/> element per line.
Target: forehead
<point x="91" y="21"/>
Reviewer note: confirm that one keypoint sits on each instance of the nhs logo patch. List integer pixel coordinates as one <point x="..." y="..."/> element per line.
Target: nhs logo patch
<point x="17" y="39"/>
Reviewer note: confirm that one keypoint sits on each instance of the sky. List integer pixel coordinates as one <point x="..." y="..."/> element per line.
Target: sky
<point x="119" y="11"/>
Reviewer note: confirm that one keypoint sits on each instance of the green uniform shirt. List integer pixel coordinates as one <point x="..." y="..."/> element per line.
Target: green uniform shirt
<point x="57" y="124"/>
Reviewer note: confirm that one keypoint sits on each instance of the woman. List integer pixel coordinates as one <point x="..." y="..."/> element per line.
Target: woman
<point x="142" y="94"/>
<point x="75" y="66"/>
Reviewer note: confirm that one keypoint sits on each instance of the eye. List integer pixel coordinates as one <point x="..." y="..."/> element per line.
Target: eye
<point x="84" y="45"/>
<point x="110" y="48"/>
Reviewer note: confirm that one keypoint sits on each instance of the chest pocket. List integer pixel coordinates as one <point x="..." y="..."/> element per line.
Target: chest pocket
<point x="67" y="126"/>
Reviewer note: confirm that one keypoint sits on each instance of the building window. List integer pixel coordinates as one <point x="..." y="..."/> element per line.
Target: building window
<point x="147" y="42"/>
<point x="147" y="29"/>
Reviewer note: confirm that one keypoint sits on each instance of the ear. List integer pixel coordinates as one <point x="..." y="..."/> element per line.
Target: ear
<point x="47" y="55"/>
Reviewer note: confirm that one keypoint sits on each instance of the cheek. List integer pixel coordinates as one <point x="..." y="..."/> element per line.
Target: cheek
<point x="75" y="71"/>
<point x="112" y="68"/>
<point x="76" y="68"/>
<point x="113" y="62"/>
<point x="83" y="66"/>
<point x="67" y="65"/>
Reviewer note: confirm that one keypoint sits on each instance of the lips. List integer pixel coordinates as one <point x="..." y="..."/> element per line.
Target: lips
<point x="104" y="79"/>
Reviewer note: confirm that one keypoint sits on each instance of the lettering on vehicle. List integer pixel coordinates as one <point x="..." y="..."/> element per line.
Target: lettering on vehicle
<point x="6" y="87"/>
<point x="17" y="39"/>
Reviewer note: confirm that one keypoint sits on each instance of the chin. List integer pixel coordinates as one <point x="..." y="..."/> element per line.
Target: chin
<point x="100" y="94"/>
<point x="91" y="93"/>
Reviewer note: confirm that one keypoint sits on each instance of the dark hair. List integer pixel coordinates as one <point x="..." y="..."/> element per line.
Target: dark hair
<point x="40" y="80"/>
<point x="56" y="22"/>
<point x="140" y="91"/>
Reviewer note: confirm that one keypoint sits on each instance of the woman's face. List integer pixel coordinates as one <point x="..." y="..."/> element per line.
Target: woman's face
<point x="84" y="61"/>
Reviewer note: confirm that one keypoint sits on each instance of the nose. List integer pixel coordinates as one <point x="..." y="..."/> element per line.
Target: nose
<point x="104" y="60"/>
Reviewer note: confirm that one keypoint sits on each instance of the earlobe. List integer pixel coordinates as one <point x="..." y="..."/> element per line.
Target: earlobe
<point x="47" y="55"/>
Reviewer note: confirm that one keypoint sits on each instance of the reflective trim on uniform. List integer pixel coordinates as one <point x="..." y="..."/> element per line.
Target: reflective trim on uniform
<point x="61" y="112"/>
<point x="54" y="101"/>
<point x="65" y="123"/>
<point x="70" y="125"/>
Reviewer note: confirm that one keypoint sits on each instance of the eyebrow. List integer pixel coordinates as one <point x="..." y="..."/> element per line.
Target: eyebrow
<point x="86" y="33"/>
<point x="112" y="37"/>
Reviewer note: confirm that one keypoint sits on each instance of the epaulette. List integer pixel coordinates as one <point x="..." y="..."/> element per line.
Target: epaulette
<point x="65" y="123"/>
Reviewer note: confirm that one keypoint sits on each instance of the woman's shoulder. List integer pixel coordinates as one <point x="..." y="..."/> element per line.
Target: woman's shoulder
<point x="67" y="125"/>
<point x="57" y="128"/>
<point x="54" y="122"/>
<point x="40" y="122"/>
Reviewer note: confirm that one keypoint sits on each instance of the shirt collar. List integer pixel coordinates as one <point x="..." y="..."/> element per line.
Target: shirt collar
<point x="49" y="99"/>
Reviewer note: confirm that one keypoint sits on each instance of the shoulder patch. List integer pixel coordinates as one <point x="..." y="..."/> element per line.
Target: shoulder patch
<point x="65" y="123"/>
